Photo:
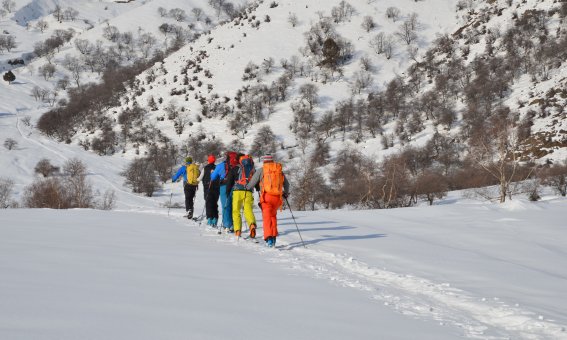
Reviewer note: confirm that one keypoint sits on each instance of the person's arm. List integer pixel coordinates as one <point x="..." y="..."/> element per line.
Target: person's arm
<point x="254" y="180"/>
<point x="179" y="173"/>
<point x="201" y="174"/>
<point x="229" y="181"/>
<point x="285" y="186"/>
<point x="217" y="174"/>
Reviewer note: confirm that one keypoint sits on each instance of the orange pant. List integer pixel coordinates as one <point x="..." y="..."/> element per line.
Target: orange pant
<point x="270" y="206"/>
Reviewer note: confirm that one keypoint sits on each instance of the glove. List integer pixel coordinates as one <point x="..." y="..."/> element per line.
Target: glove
<point x="285" y="195"/>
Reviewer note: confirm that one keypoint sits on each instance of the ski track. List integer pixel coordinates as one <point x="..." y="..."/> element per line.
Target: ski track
<point x="479" y="318"/>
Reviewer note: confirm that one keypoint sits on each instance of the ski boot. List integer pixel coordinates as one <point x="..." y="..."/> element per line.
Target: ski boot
<point x="253" y="230"/>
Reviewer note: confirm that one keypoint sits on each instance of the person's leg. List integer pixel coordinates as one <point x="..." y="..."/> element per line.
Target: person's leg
<point x="189" y="199"/>
<point x="249" y="208"/>
<point x="237" y="202"/>
<point x="186" y="191"/>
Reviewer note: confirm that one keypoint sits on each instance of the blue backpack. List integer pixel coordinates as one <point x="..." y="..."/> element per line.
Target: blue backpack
<point x="245" y="172"/>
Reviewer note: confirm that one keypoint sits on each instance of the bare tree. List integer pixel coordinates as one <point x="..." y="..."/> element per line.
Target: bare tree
<point x="71" y="14"/>
<point x="368" y="23"/>
<point x="84" y="46"/>
<point x="111" y="33"/>
<point x="393" y="13"/>
<point x="7" y="42"/>
<point x="10" y="143"/>
<point x="178" y="14"/>
<point x="292" y="19"/>
<point x="162" y="11"/>
<point x="58" y="12"/>
<point x="406" y="32"/>
<point x="77" y="186"/>
<point x="47" y="71"/>
<point x="9" y="5"/>
<point x="141" y="176"/>
<point x="74" y="65"/>
<point x="45" y="168"/>
<point x="264" y="142"/>
<point x="197" y="13"/>
<point x="6" y="187"/>
<point x="494" y="150"/>
<point x="42" y="25"/>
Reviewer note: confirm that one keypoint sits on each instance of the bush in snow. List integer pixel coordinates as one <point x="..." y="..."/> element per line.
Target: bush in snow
<point x="10" y="143"/>
<point x="141" y="176"/>
<point x="45" y="168"/>
<point x="6" y="187"/>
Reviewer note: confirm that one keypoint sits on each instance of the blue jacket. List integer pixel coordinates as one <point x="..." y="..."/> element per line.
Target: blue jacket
<point x="181" y="172"/>
<point x="219" y="172"/>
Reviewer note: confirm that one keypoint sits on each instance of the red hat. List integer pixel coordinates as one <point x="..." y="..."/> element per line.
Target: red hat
<point x="211" y="159"/>
<point x="267" y="158"/>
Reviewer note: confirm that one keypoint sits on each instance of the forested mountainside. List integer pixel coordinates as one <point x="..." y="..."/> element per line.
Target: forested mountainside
<point x="409" y="99"/>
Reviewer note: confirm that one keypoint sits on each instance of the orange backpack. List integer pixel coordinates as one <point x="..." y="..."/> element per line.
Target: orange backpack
<point x="273" y="179"/>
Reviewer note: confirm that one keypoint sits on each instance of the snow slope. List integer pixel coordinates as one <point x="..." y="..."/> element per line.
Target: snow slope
<point x="461" y="269"/>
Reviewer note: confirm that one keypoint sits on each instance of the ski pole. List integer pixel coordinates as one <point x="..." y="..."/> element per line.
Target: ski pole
<point x="170" y="197"/>
<point x="291" y="212"/>
<point x="206" y="196"/>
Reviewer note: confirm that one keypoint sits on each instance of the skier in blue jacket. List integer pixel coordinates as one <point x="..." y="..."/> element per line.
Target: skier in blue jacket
<point x="190" y="173"/>
<point x="220" y="173"/>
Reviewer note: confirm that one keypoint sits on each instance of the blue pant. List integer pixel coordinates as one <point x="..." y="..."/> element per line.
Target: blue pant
<point x="226" y="202"/>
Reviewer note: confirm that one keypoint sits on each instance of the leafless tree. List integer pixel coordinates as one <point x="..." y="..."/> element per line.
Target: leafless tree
<point x="10" y="143"/>
<point x="71" y="14"/>
<point x="362" y="80"/>
<point x="494" y="150"/>
<point x="78" y="187"/>
<point x="74" y="65"/>
<point x="368" y="23"/>
<point x="162" y="11"/>
<point x="7" y="42"/>
<point x="58" y="12"/>
<point x="406" y="33"/>
<point x="264" y="142"/>
<point x="9" y="5"/>
<point x="393" y="13"/>
<point x="45" y="168"/>
<point x="111" y="33"/>
<point x="178" y="14"/>
<point x="84" y="46"/>
<point x="292" y="19"/>
<point x="47" y="71"/>
<point x="6" y="187"/>
<point x="41" y="25"/>
<point x="146" y="42"/>
<point x="197" y="13"/>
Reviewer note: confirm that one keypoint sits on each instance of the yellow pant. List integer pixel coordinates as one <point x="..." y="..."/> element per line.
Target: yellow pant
<point x="239" y="199"/>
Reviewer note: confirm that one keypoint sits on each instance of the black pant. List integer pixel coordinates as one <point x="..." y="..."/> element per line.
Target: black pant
<point x="211" y="202"/>
<point x="189" y="196"/>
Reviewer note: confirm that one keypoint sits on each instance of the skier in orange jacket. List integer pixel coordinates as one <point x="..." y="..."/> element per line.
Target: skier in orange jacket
<point x="273" y="188"/>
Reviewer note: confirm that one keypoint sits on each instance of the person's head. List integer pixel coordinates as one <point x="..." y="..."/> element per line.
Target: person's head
<point x="267" y="158"/>
<point x="232" y="158"/>
<point x="211" y="159"/>
<point x="188" y="160"/>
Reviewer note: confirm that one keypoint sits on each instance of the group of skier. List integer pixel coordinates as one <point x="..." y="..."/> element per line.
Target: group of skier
<point x="233" y="181"/>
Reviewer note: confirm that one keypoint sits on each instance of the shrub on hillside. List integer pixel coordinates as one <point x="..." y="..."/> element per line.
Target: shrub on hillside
<point x="45" y="168"/>
<point x="6" y="187"/>
<point x="141" y="176"/>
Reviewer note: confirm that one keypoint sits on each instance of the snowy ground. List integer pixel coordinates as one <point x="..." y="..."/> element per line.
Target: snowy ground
<point x="461" y="269"/>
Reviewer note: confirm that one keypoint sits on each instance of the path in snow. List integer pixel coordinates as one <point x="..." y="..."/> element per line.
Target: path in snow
<point x="413" y="296"/>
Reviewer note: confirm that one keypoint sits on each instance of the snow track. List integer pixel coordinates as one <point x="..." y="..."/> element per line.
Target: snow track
<point x="478" y="317"/>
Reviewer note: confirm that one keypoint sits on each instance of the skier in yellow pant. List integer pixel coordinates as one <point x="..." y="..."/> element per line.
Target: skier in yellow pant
<point x="237" y="180"/>
<point x="240" y="199"/>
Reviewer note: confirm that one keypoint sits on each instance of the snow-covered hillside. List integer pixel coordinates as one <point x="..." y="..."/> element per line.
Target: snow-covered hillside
<point x="457" y="270"/>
